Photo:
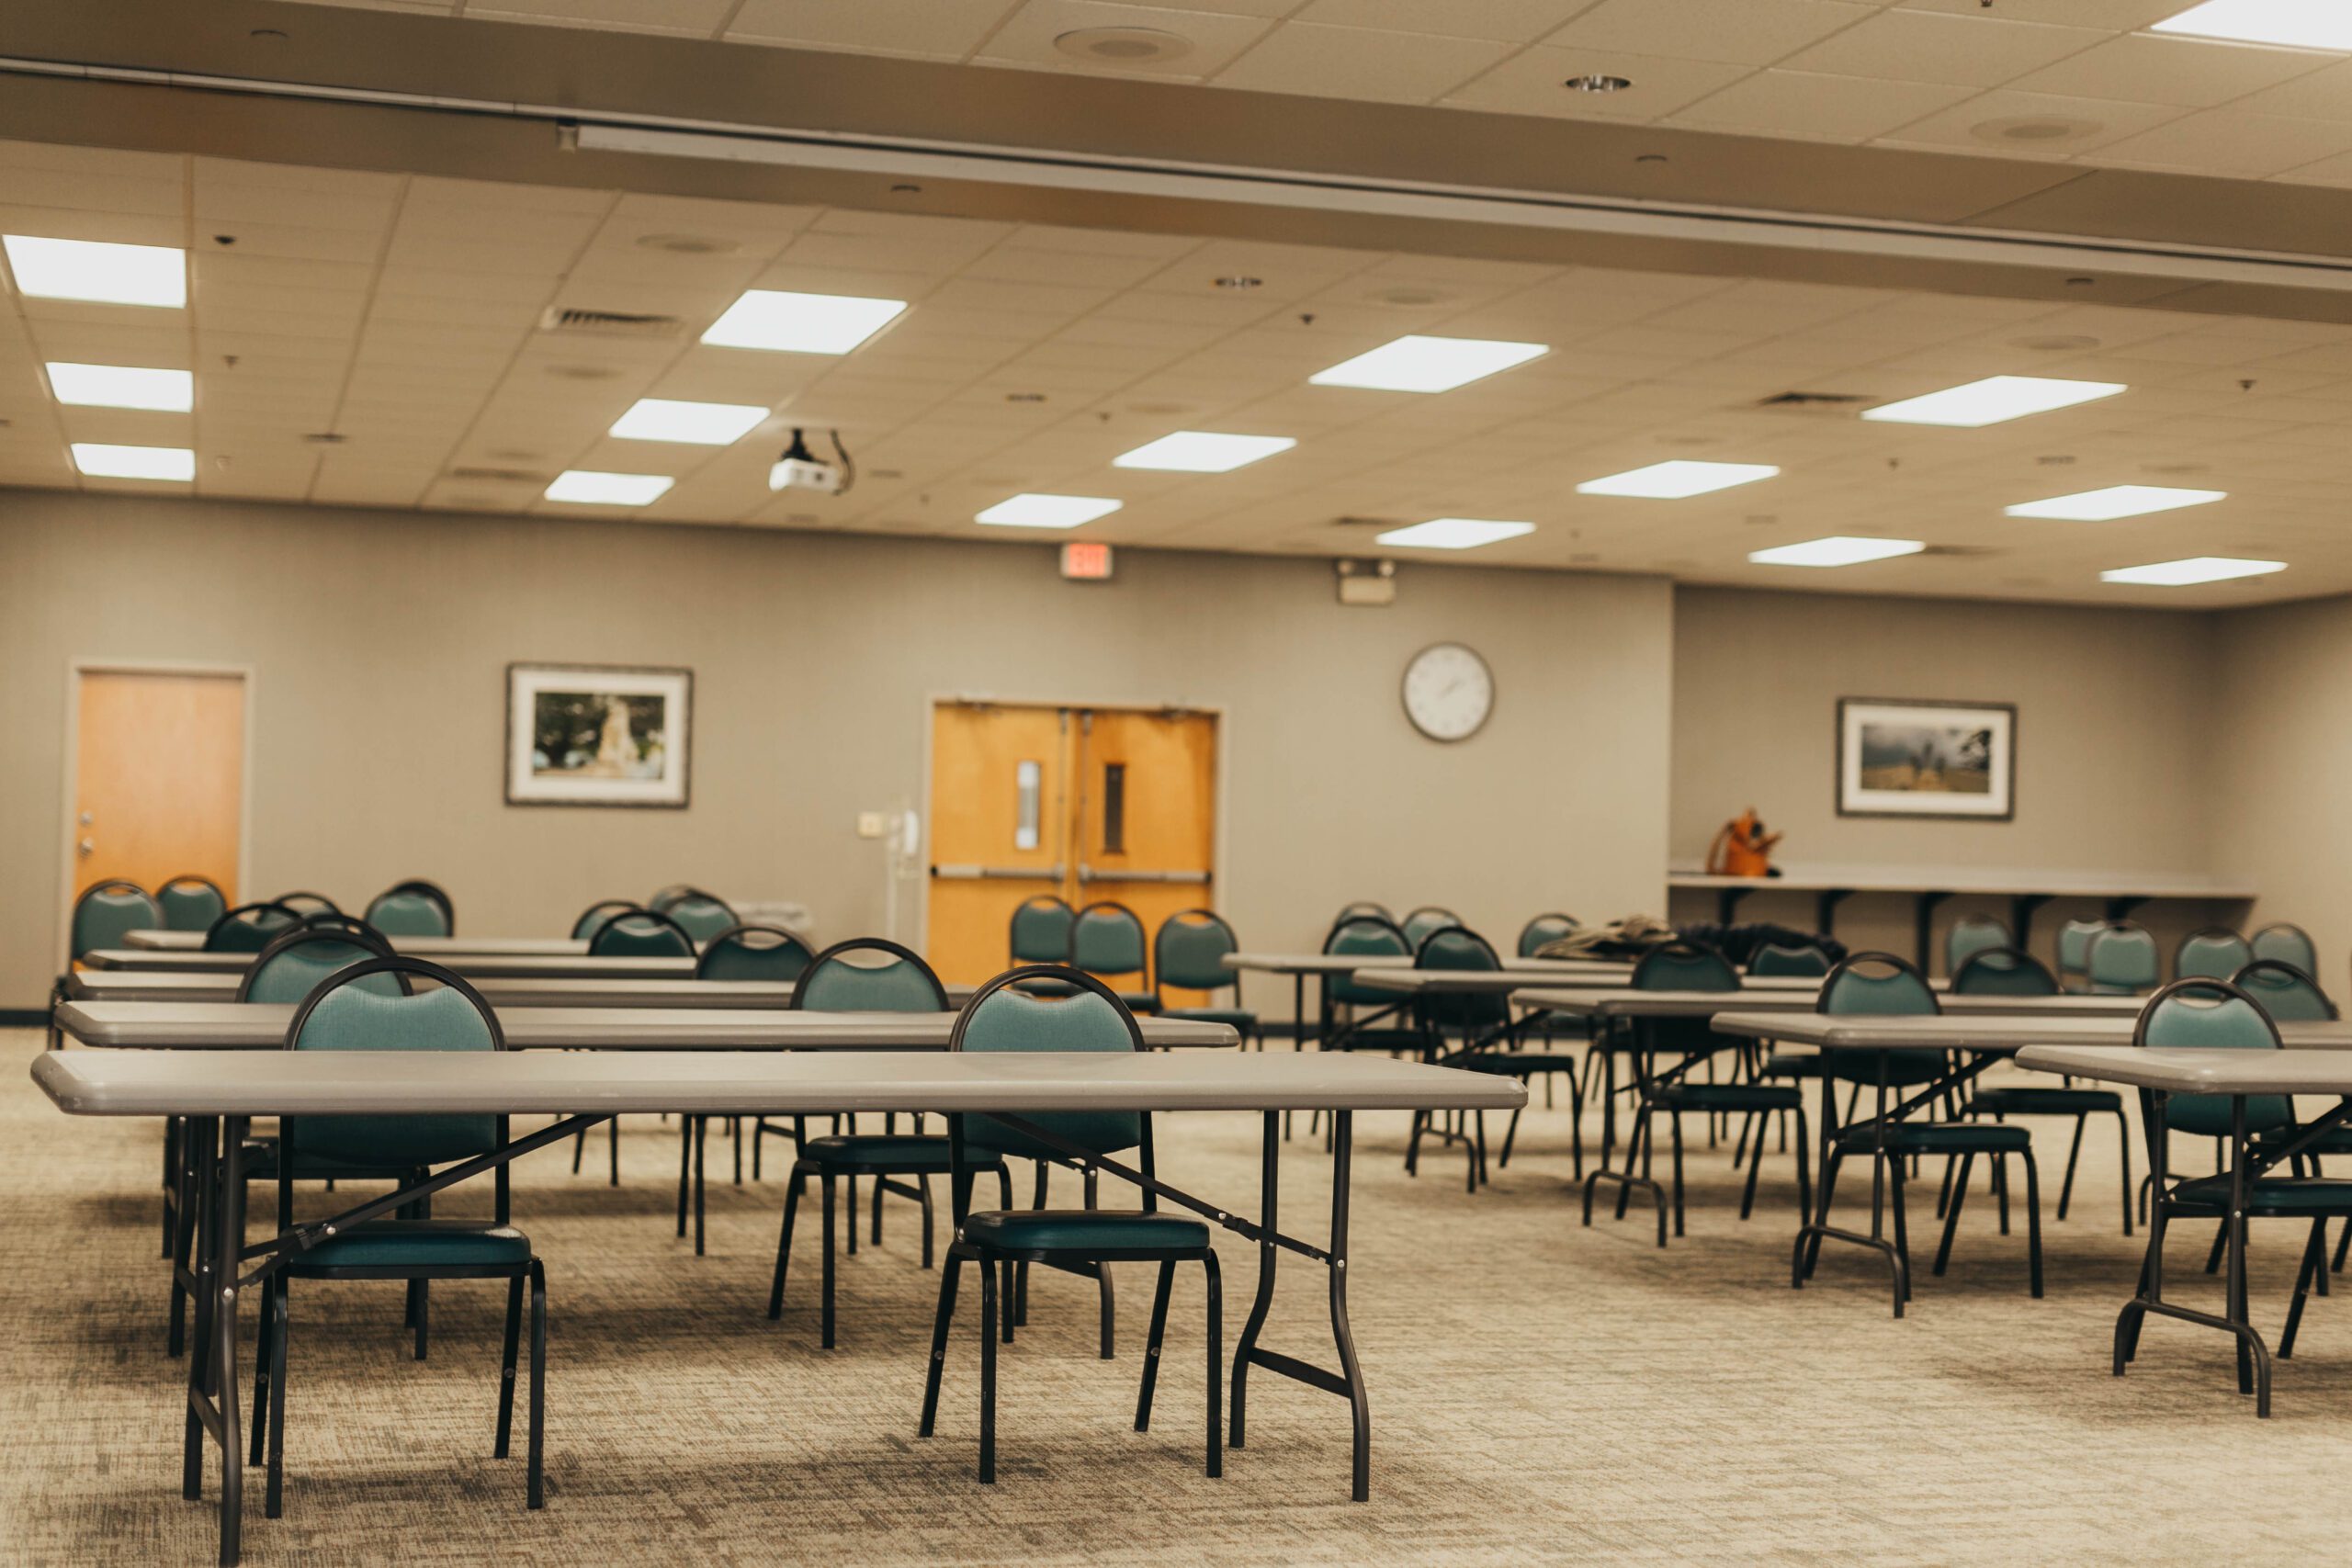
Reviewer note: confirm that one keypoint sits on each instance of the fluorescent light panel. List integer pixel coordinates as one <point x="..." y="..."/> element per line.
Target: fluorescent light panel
<point x="2297" y="24"/>
<point x="696" y="425"/>
<point x="1202" y="452"/>
<point x="2195" y="569"/>
<point x="98" y="271"/>
<point x="123" y="387"/>
<point x="1417" y="364"/>
<point x="1838" y="550"/>
<point x="1993" y="401"/>
<point x="1673" y="482"/>
<point x="1029" y="509"/>
<point x="801" y="323"/>
<point x="1453" y="533"/>
<point x="101" y="461"/>
<point x="2115" y="501"/>
<point x="590" y="488"/>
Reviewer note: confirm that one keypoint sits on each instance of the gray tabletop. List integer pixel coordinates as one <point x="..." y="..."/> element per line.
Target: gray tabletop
<point x="288" y="1083"/>
<point x="165" y="986"/>
<point x="1530" y="986"/>
<point x="1762" y="996"/>
<point x="2311" y="1071"/>
<point x="1313" y="963"/>
<point x="1975" y="1032"/>
<point x="421" y="946"/>
<point x="259" y="1026"/>
<point x="472" y="966"/>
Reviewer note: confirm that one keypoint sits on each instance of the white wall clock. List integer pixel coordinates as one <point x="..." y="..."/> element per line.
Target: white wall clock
<point x="1448" y="692"/>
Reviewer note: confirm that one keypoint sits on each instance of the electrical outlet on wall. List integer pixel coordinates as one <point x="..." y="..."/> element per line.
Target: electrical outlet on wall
<point x="872" y="824"/>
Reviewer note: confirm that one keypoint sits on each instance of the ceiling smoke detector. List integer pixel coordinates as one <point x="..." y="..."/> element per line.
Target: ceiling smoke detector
<point x="1123" y="46"/>
<point x="1238" y="280"/>
<point x="2036" y="129"/>
<point x="688" y="244"/>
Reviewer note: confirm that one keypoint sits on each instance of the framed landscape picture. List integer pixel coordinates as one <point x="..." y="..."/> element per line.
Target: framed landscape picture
<point x="597" y="735"/>
<point x="1927" y="759"/>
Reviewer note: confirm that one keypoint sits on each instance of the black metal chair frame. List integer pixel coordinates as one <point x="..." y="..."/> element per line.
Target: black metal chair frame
<point x="1233" y="977"/>
<point x="190" y="879"/>
<point x="2254" y="937"/>
<point x="261" y="907"/>
<point x="2117" y="927"/>
<point x="1366" y="907"/>
<point x="640" y="913"/>
<point x="1012" y="946"/>
<point x="57" y="989"/>
<point x="326" y="905"/>
<point x="1143" y="982"/>
<point x="691" y="1129"/>
<point x="1971" y="920"/>
<point x="618" y="906"/>
<point x="1333" y="1034"/>
<point x="1434" y="1014"/>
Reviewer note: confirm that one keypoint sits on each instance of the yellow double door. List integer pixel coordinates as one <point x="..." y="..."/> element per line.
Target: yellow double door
<point x="1085" y="803"/>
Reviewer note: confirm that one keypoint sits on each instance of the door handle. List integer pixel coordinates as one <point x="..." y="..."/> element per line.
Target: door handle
<point x="997" y="873"/>
<point x="87" y="846"/>
<point x="1109" y="874"/>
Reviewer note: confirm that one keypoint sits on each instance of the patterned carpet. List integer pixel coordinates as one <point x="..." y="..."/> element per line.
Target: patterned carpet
<point x="1540" y="1392"/>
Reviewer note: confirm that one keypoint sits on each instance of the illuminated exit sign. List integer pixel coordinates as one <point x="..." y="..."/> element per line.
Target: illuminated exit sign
<point x="1086" y="561"/>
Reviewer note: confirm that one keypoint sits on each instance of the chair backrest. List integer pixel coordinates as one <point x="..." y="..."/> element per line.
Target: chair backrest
<point x="296" y="961"/>
<point x="249" y="926"/>
<point x="1107" y="939"/>
<point x="1189" y="949"/>
<point x="1684" y="966"/>
<point x="343" y="1014"/>
<point x="1089" y="1017"/>
<point x="2288" y="993"/>
<point x="1459" y="947"/>
<point x="108" y="909"/>
<point x="1771" y="959"/>
<point x="2003" y="972"/>
<point x="640" y="933"/>
<point x="752" y="953"/>
<point x="1544" y="929"/>
<point x="660" y="901"/>
<point x="1419" y="922"/>
<point x="703" y="916"/>
<point x="903" y="983"/>
<point x="1364" y="907"/>
<point x="1880" y="983"/>
<point x="591" y="918"/>
<point x="1040" y="931"/>
<point x="338" y="923"/>
<point x="1972" y="934"/>
<point x="2121" y="960"/>
<point x="2202" y="1013"/>
<point x="1364" y="936"/>
<point x="2214" y="954"/>
<point x="2075" y="945"/>
<point x="412" y="908"/>
<point x="2288" y="943"/>
<point x="303" y="903"/>
<point x="191" y="903"/>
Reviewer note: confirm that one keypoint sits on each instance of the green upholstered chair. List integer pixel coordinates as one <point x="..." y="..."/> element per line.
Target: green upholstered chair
<point x="1772" y="961"/>
<point x="191" y="903"/>
<point x="2215" y="952"/>
<point x="2008" y="972"/>
<point x="640" y="933"/>
<point x="1040" y="929"/>
<point x="249" y="927"/>
<point x="2121" y="960"/>
<point x="754" y="952"/>
<point x="108" y="910"/>
<point x="299" y="961"/>
<point x="2073" y="949"/>
<point x="843" y="978"/>
<point x="1107" y="939"/>
<point x="1364" y="907"/>
<point x="1545" y="928"/>
<point x="304" y="903"/>
<point x="593" y="918"/>
<point x="412" y="908"/>
<point x="661" y="901"/>
<point x="1356" y="1017"/>
<point x="1461" y="1029"/>
<point x="2288" y="993"/>
<point x="346" y="1013"/>
<point x="2288" y="943"/>
<point x="1883" y="984"/>
<point x="1425" y="919"/>
<point x="1972" y="934"/>
<point x="1002" y="1017"/>
<point x="703" y="914"/>
<point x="1552" y="1025"/>
<point x="1188" y="952"/>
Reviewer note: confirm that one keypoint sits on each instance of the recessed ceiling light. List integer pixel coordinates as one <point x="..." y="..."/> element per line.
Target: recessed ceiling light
<point x="1202" y="452"/>
<point x="1673" y="480"/>
<point x="801" y="323"/>
<point x="123" y="387"/>
<point x="1418" y="364"/>
<point x="589" y="488"/>
<point x="103" y="462"/>
<point x="2299" y="24"/>
<point x="1838" y="550"/>
<point x="2196" y="568"/>
<point x="2115" y="501"/>
<point x="95" y="270"/>
<point x="1029" y="509"/>
<point x="1992" y="400"/>
<point x="1596" y="83"/>
<point x="1452" y="533"/>
<point x="696" y="424"/>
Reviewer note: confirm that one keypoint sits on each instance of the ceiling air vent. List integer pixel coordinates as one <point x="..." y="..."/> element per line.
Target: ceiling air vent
<point x="1815" y="403"/>
<point x="1366" y="523"/>
<point x="1963" y="550"/>
<point x="573" y="321"/>
<point x="497" y="476"/>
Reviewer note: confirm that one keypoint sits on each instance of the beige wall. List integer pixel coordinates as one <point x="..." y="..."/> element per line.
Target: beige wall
<point x="379" y="640"/>
<point x="2113" y="751"/>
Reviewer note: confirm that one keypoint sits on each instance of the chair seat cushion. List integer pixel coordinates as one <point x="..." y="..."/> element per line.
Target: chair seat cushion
<point x="2272" y="1195"/>
<point x="1943" y="1137"/>
<point x="2044" y="1101"/>
<point x="263" y="1154"/>
<point x="398" y="1243"/>
<point x="1084" y="1230"/>
<point x="1781" y="1065"/>
<point x="1241" y="1018"/>
<point x="1729" y="1097"/>
<point x="897" y="1154"/>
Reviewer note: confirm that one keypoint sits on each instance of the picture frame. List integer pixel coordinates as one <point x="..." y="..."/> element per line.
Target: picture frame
<point x="604" y="735"/>
<point x="1920" y="757"/>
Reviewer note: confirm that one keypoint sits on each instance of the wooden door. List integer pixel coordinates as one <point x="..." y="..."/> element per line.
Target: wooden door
<point x="159" y="778"/>
<point x="1145" y="819"/>
<point x="1000" y="828"/>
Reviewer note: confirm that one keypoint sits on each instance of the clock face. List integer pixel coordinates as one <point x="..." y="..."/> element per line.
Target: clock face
<point x="1449" y="691"/>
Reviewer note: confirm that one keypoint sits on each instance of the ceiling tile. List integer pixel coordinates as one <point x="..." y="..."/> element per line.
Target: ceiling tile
<point x="1529" y="83"/>
<point x="937" y="29"/>
<point x="1837" y="109"/>
<point x="1740" y="32"/>
<point x="2224" y="142"/>
<point x="1510" y="21"/>
<point x="1978" y="51"/>
<point x="1027" y="38"/>
<point x="2144" y="68"/>
<point x="1978" y="124"/>
<point x="1357" y="63"/>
